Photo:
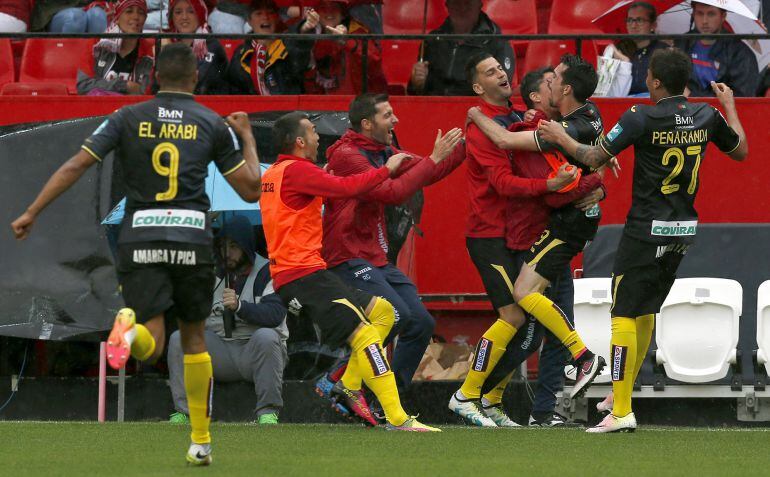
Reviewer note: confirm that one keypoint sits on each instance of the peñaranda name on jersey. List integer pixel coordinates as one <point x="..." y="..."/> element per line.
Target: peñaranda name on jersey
<point x="674" y="229"/>
<point x="169" y="218"/>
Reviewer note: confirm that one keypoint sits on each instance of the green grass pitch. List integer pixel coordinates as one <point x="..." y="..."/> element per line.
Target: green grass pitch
<point x="157" y="449"/>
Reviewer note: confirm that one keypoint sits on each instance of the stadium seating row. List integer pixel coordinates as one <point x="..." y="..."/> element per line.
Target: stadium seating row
<point x="696" y="331"/>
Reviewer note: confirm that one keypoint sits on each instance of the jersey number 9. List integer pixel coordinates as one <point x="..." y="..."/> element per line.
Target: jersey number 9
<point x="171" y="171"/>
<point x="676" y="153"/>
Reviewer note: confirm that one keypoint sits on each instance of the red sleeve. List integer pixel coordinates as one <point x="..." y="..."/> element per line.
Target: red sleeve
<point x="449" y="164"/>
<point x="303" y="181"/>
<point x="498" y="168"/>
<point x="587" y="184"/>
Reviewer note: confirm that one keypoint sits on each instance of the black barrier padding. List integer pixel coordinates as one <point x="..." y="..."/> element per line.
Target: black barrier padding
<point x="734" y="251"/>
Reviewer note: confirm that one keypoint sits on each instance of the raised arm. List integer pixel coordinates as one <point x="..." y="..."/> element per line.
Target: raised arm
<point x="501" y="137"/>
<point x="247" y="179"/>
<point x="725" y="97"/>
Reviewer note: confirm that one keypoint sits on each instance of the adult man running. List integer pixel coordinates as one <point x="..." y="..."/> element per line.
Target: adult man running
<point x="165" y="262"/>
<point x="669" y="139"/>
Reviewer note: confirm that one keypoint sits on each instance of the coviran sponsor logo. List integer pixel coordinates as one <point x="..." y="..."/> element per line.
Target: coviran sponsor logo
<point x="169" y="218"/>
<point x="674" y="229"/>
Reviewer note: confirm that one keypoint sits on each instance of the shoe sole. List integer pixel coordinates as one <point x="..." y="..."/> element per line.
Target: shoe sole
<point x="118" y="349"/>
<point x="351" y="413"/>
<point x="616" y="431"/>
<point x="587" y="383"/>
<point x="470" y="421"/>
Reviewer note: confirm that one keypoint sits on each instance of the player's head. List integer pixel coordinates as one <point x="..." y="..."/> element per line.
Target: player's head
<point x="294" y="134"/>
<point x="176" y="68"/>
<point x="535" y="91"/>
<point x="707" y="18"/>
<point x="668" y="73"/>
<point x="575" y="78"/>
<point x="488" y="78"/>
<point x="372" y="115"/>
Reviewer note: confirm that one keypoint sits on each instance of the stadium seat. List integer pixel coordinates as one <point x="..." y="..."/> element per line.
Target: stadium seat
<point x="515" y="17"/>
<point x="593" y="298"/>
<point x="406" y="16"/>
<point x="763" y="325"/>
<point x="575" y="16"/>
<point x="58" y="61"/>
<point x="230" y="46"/>
<point x="398" y="56"/>
<point x="547" y="53"/>
<point x="7" y="69"/>
<point x="33" y="89"/>
<point x="697" y="329"/>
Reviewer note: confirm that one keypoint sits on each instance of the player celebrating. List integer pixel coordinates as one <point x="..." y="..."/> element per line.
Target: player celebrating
<point x="569" y="228"/>
<point x="669" y="140"/>
<point x="165" y="263"/>
<point x="293" y="190"/>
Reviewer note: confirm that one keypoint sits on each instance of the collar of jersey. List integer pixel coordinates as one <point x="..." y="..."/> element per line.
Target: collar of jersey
<point x="575" y="110"/>
<point x="174" y="93"/>
<point x="680" y="96"/>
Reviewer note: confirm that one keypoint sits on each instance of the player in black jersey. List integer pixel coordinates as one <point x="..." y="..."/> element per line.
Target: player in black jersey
<point x="165" y="262"/>
<point x="569" y="228"/>
<point x="669" y="140"/>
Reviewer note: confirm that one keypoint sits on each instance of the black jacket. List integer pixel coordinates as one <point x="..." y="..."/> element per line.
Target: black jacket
<point x="447" y="59"/>
<point x="211" y="71"/>
<point x="105" y="60"/>
<point x="736" y="64"/>
<point x="287" y="63"/>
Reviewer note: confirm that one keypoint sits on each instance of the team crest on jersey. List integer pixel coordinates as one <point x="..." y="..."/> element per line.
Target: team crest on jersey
<point x="614" y="132"/>
<point x="294" y="307"/>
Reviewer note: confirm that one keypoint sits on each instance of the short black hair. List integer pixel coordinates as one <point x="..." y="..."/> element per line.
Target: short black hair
<point x="648" y="7"/>
<point x="672" y="68"/>
<point x="364" y="106"/>
<point x="262" y="5"/>
<point x="473" y="62"/>
<point x="286" y="130"/>
<point x="531" y="84"/>
<point x="581" y="75"/>
<point x="176" y="64"/>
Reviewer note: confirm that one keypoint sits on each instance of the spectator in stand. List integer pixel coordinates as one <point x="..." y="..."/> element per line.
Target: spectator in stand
<point x="440" y="69"/>
<point x="726" y="60"/>
<point x="121" y="65"/>
<point x="70" y="16"/>
<point x="14" y="16"/>
<point x="272" y="66"/>
<point x="230" y="16"/>
<point x="630" y="79"/>
<point x="337" y="64"/>
<point x="189" y="16"/>
<point x="256" y="350"/>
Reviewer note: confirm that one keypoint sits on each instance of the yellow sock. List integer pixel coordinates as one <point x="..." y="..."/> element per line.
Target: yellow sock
<point x="351" y="378"/>
<point x="382" y="317"/>
<point x="144" y="344"/>
<point x="644" y="326"/>
<point x="199" y="386"/>
<point x="623" y="359"/>
<point x="495" y="396"/>
<point x="372" y="366"/>
<point x="488" y="352"/>
<point x="551" y="316"/>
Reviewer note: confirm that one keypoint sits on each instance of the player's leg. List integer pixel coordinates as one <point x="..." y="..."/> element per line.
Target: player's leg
<point x="199" y="386"/>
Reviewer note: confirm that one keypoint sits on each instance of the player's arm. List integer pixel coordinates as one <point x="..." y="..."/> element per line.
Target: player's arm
<point x="60" y="181"/>
<point x="725" y="97"/>
<point x="306" y="178"/>
<point x="246" y="176"/>
<point x="501" y="137"/>
<point x="592" y="156"/>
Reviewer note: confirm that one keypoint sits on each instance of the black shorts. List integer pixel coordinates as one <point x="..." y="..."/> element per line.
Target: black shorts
<point x="336" y="308"/>
<point x="497" y="266"/>
<point x="173" y="278"/>
<point x="552" y="252"/>
<point x="642" y="276"/>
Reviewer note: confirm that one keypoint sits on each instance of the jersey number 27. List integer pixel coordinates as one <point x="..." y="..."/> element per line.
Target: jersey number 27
<point x="677" y="154"/>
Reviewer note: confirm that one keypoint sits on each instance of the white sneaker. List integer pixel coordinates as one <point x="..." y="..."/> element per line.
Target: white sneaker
<point x="498" y="416"/>
<point x="470" y="411"/>
<point x="606" y="405"/>
<point x="612" y="423"/>
<point x="199" y="454"/>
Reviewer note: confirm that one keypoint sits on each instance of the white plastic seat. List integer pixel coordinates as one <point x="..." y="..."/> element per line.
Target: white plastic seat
<point x="697" y="329"/>
<point x="593" y="299"/>
<point x="763" y="325"/>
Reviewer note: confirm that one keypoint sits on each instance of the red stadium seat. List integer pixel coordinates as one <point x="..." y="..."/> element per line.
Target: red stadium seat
<point x="57" y="61"/>
<point x="515" y="17"/>
<point x="398" y="56"/>
<point x="230" y="46"/>
<point x="7" y="69"/>
<point x="574" y="16"/>
<point x="406" y="16"/>
<point x="33" y="89"/>
<point x="547" y="53"/>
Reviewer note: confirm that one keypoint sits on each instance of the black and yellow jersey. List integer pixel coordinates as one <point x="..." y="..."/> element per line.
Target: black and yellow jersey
<point x="669" y="140"/>
<point x="164" y="147"/>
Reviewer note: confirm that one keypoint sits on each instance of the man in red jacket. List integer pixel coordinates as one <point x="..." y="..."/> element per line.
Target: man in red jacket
<point x="355" y="241"/>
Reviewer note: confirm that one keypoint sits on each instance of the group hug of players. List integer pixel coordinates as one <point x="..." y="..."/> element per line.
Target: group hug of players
<point x="535" y="185"/>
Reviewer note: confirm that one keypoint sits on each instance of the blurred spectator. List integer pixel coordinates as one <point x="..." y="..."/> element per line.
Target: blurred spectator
<point x="764" y="82"/>
<point x="440" y="70"/>
<point x="272" y="66"/>
<point x="230" y="16"/>
<point x="189" y="16"/>
<point x="14" y="15"/>
<point x="631" y="76"/>
<point x="726" y="60"/>
<point x="256" y="350"/>
<point x="121" y="65"/>
<point x="157" y="15"/>
<point x="337" y="64"/>
<point x="70" y="16"/>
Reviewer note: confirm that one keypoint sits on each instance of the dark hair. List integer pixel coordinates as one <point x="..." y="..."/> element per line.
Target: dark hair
<point x="364" y="106"/>
<point x="581" y="75"/>
<point x="176" y="64"/>
<point x="286" y="130"/>
<point x="473" y="62"/>
<point x="262" y="5"/>
<point x="531" y="84"/>
<point x="672" y="68"/>
<point x="648" y="7"/>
